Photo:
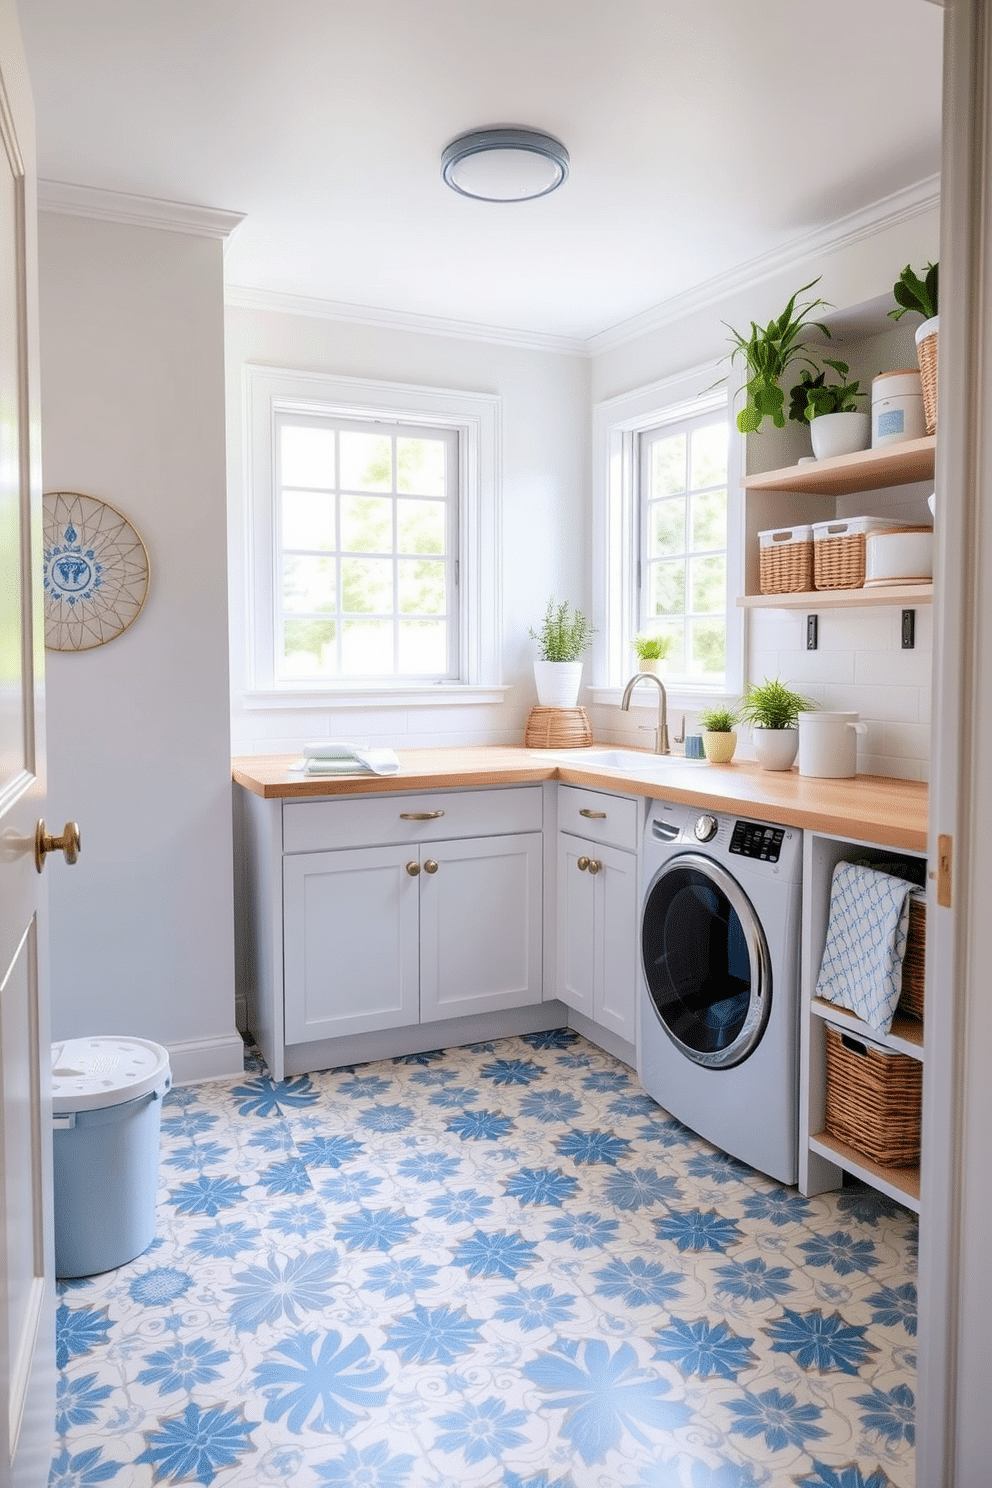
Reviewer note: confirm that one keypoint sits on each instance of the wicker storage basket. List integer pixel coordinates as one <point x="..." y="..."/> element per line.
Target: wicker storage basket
<point x="839" y="550"/>
<point x="926" y="351"/>
<point x="911" y="998"/>
<point x="557" y="728"/>
<point x="874" y="1099"/>
<point x="785" y="560"/>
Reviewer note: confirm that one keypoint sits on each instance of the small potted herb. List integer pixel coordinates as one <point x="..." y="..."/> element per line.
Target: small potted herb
<point x="719" y="739"/>
<point x="773" y="710"/>
<point x="837" y="426"/>
<point x="768" y="352"/>
<point x="563" y="635"/>
<point x="652" y="650"/>
<point x="911" y="292"/>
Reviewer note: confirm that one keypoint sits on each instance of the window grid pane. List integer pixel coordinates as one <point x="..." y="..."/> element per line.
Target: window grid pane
<point x="366" y="539"/>
<point x="683" y="588"/>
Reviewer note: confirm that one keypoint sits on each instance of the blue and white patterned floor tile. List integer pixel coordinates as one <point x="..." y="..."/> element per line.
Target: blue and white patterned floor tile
<point x="494" y="1267"/>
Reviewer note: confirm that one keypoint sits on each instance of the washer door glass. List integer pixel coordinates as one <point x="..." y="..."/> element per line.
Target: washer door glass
<point x="705" y="961"/>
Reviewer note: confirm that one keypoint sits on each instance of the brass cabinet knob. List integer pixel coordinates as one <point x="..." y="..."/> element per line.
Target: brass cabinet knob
<point x="44" y="842"/>
<point x="594" y="865"/>
<point x="413" y="869"/>
<point x="430" y="866"/>
<point x="582" y="863"/>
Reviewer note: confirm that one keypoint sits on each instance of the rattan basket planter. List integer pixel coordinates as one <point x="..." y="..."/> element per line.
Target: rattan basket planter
<point x="557" y="728"/>
<point x="785" y="560"/>
<point x="874" y="1099"/>
<point x="926" y="351"/>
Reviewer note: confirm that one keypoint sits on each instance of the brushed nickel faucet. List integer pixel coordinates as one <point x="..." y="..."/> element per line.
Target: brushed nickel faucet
<point x="661" y="732"/>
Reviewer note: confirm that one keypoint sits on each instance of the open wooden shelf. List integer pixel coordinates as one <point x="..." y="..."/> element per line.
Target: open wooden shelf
<point x="840" y="599"/>
<point x="869" y="470"/>
<point x="904" y="1037"/>
<point x="901" y="1184"/>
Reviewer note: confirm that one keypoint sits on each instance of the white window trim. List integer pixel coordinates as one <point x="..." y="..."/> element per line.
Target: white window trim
<point x="617" y="422"/>
<point x="477" y="419"/>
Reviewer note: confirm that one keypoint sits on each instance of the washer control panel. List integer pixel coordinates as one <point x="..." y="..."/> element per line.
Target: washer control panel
<point x="750" y="840"/>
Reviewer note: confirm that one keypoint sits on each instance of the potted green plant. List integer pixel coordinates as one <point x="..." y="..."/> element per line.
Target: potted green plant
<point x="719" y="739"/>
<point x="562" y="637"/>
<point x="911" y="292"/>
<point x="773" y="710"/>
<point x="837" y="426"/>
<point x="652" y="650"/>
<point x="768" y="352"/>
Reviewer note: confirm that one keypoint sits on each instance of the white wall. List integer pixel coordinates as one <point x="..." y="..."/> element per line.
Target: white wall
<point x="544" y="508"/>
<point x="859" y="663"/>
<point x="138" y="730"/>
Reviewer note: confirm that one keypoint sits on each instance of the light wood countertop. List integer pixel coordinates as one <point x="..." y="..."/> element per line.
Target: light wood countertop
<point x="871" y="808"/>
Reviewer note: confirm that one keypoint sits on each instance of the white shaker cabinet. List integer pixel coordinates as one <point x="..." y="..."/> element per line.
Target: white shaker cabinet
<point x="596" y="920"/>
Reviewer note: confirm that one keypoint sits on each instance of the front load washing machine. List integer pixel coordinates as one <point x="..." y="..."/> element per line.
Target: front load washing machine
<point x="718" y="1042"/>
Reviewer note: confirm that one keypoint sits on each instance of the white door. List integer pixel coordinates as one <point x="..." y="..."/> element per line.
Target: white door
<point x="27" y="1358"/>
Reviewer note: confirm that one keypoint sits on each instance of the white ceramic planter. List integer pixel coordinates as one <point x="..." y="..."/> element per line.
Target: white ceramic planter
<point x="839" y="434"/>
<point x="776" y="749"/>
<point x="558" y="683"/>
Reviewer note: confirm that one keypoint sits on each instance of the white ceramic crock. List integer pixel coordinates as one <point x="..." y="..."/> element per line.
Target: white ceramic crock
<point x="775" y="749"/>
<point x="558" y="683"/>
<point x="828" y="744"/>
<point x="839" y="434"/>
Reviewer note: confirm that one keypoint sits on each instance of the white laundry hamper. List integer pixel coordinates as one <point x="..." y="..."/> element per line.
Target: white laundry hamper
<point x="106" y="1113"/>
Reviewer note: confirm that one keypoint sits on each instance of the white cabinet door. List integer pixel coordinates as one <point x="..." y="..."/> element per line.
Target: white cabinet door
<point x="575" y="927"/>
<point x="350" y="938"/>
<point x="617" y="925"/>
<point x="480" y="925"/>
<point x="597" y="932"/>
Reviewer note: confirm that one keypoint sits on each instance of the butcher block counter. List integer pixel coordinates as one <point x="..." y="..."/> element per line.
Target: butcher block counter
<point x="870" y="808"/>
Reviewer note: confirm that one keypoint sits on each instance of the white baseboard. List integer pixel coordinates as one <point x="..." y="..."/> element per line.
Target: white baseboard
<point x="207" y="1059"/>
<point x="603" y="1038"/>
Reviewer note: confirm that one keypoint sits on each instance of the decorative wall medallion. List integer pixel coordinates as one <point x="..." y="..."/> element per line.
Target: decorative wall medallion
<point x="95" y="571"/>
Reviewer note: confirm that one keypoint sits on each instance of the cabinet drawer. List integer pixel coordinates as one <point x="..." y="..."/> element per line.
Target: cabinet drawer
<point x="421" y="816"/>
<point x="598" y="816"/>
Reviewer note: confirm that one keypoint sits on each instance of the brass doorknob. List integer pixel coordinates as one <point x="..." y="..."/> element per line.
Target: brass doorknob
<point x="44" y="842"/>
<point x="413" y="869"/>
<point x="582" y="863"/>
<point x="430" y="866"/>
<point x="594" y="865"/>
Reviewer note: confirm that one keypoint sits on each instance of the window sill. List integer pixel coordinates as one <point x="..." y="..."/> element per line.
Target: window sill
<point x="377" y="696"/>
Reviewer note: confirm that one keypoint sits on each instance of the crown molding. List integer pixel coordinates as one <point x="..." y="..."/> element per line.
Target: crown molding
<point x="135" y="211"/>
<point x="243" y="297"/>
<point x="889" y="211"/>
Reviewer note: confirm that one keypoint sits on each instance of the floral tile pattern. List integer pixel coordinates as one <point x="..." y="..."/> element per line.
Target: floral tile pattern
<point x="501" y="1266"/>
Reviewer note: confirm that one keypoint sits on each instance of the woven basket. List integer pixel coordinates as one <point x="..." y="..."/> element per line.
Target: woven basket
<point x="557" y="728"/>
<point x="839" y="562"/>
<point x="874" y="1100"/>
<point x="785" y="567"/>
<point x="911" y="997"/>
<point x="926" y="351"/>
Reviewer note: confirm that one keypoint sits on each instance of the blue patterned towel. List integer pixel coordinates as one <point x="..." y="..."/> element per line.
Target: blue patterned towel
<point x="866" y="941"/>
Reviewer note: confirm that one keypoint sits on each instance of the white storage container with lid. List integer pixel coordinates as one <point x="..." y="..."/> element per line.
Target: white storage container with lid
<point x="106" y="1106"/>
<point x="897" y="408"/>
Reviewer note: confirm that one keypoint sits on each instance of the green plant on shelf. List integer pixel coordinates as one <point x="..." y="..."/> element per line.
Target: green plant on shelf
<point x="768" y="352"/>
<point x="814" y="396"/>
<point x="914" y="293"/>
<point x="653" y="647"/>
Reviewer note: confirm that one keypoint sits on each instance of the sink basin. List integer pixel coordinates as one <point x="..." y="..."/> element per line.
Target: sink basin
<point x="635" y="760"/>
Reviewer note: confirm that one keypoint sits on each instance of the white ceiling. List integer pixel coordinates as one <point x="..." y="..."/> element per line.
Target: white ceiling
<point x="702" y="134"/>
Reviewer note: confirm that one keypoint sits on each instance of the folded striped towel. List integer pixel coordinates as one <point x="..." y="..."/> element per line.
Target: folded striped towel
<point x="345" y="758"/>
<point x="866" y="942"/>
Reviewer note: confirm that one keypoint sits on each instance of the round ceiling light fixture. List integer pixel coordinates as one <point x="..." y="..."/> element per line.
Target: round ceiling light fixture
<point x="504" y="165"/>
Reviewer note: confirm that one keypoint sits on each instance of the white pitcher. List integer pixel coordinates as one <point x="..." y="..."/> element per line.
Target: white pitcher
<point x="828" y="744"/>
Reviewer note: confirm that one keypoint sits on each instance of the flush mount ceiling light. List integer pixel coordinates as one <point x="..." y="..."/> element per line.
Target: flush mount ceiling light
<point x="504" y="165"/>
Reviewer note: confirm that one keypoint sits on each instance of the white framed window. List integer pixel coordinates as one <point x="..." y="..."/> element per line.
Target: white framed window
<point x="669" y="553"/>
<point x="372" y="541"/>
<point x="682" y="543"/>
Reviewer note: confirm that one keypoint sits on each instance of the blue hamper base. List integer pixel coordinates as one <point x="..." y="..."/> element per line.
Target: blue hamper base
<point x="106" y="1185"/>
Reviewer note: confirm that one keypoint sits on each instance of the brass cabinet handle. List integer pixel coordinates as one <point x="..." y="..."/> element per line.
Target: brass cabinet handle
<point x="44" y="842"/>
<point x="430" y="866"/>
<point x="596" y="815"/>
<point x="420" y="815"/>
<point x="582" y="863"/>
<point x="413" y="869"/>
<point x="594" y="865"/>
